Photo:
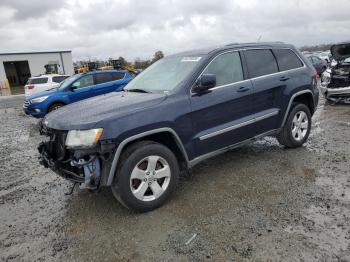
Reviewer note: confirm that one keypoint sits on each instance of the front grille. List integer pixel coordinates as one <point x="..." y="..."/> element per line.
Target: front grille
<point x="57" y="143"/>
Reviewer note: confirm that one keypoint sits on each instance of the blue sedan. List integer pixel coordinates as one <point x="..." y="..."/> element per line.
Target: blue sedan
<point x="76" y="88"/>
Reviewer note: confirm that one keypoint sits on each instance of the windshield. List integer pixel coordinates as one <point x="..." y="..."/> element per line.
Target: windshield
<point x="68" y="81"/>
<point x="164" y="75"/>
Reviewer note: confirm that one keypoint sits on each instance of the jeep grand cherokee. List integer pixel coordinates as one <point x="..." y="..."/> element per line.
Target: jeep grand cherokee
<point x="183" y="109"/>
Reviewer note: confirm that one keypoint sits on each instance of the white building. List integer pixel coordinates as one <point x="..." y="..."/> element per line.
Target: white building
<point x="16" y="68"/>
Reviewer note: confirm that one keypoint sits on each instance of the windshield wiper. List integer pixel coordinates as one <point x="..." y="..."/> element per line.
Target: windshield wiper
<point x="137" y="90"/>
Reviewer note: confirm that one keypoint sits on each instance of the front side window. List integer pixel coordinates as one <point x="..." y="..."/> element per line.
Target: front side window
<point x="260" y="62"/>
<point x="84" y="82"/>
<point x="227" y="68"/>
<point x="287" y="59"/>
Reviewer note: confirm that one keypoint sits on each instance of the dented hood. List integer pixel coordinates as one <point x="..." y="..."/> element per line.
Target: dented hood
<point x="340" y="51"/>
<point x="91" y="112"/>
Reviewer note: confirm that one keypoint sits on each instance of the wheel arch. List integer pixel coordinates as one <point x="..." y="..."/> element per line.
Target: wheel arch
<point x="305" y="97"/>
<point x="54" y="102"/>
<point x="166" y="136"/>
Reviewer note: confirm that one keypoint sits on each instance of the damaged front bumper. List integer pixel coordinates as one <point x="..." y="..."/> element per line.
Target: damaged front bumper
<point x="341" y="91"/>
<point x="332" y="91"/>
<point x="81" y="165"/>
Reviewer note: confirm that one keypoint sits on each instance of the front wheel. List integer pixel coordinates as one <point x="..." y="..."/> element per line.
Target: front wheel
<point x="297" y="128"/>
<point x="55" y="106"/>
<point x="147" y="175"/>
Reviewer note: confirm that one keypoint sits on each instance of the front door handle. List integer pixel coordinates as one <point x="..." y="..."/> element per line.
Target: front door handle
<point x="243" y="89"/>
<point x="284" y="78"/>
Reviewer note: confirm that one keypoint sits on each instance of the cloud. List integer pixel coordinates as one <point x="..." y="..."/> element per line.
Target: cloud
<point x="138" y="28"/>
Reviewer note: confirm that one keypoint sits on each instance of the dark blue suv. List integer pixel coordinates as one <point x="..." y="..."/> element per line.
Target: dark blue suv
<point x="76" y="88"/>
<point x="181" y="110"/>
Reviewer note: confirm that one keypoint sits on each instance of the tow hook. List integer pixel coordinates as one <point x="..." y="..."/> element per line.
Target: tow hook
<point x="92" y="171"/>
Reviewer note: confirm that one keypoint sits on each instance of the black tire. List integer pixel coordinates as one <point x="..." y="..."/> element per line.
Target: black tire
<point x="55" y="106"/>
<point x="285" y="137"/>
<point x="128" y="160"/>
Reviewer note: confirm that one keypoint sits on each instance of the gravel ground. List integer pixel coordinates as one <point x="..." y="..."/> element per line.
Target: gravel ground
<point x="260" y="202"/>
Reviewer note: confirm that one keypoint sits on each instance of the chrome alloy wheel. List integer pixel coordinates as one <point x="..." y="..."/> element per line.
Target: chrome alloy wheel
<point x="150" y="178"/>
<point x="300" y="125"/>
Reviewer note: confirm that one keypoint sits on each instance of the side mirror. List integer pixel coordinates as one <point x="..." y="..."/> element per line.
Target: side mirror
<point x="204" y="83"/>
<point x="72" y="88"/>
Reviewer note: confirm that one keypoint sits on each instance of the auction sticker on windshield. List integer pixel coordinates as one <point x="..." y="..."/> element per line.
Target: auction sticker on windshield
<point x="191" y="59"/>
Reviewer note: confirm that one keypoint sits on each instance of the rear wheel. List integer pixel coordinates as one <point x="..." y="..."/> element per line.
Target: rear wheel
<point x="55" y="107"/>
<point x="147" y="175"/>
<point x="297" y="127"/>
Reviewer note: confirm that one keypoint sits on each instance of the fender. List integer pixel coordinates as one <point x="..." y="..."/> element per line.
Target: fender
<point x="135" y="137"/>
<point x="290" y="104"/>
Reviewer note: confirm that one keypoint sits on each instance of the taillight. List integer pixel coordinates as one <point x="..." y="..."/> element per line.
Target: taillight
<point x="30" y="87"/>
<point x="315" y="74"/>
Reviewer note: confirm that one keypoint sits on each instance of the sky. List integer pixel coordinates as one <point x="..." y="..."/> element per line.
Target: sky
<point x="95" y="29"/>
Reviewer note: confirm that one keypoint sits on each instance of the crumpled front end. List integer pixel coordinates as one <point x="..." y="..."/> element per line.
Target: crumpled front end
<point x="86" y="166"/>
<point x="335" y="83"/>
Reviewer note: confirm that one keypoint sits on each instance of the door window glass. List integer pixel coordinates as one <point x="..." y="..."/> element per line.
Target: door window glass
<point x="260" y="62"/>
<point x="84" y="81"/>
<point x="117" y="75"/>
<point x="227" y="68"/>
<point x="103" y="78"/>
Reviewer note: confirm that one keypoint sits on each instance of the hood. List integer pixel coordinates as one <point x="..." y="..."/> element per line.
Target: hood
<point x="43" y="93"/>
<point x="340" y="51"/>
<point x="90" y="113"/>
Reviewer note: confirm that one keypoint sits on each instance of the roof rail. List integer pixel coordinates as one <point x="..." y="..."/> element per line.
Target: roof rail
<point x="256" y="43"/>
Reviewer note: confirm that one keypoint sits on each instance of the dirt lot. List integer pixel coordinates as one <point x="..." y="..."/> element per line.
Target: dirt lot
<point x="260" y="202"/>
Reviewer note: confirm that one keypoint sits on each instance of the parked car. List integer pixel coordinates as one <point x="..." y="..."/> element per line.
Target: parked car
<point x="76" y="88"/>
<point x="335" y="85"/>
<point x="319" y="64"/>
<point x="326" y="56"/>
<point x="41" y="83"/>
<point x="181" y="110"/>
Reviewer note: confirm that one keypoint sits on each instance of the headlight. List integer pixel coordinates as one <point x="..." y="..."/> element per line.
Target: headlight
<point x="38" y="99"/>
<point x="83" y="138"/>
<point x="325" y="78"/>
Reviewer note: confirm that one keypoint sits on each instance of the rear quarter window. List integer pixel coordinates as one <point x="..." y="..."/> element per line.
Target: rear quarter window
<point x="58" y="79"/>
<point x="287" y="59"/>
<point x="260" y="62"/>
<point x="36" y="81"/>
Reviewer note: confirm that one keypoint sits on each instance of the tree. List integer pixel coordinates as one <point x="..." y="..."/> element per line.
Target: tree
<point x="141" y="64"/>
<point x="157" y="55"/>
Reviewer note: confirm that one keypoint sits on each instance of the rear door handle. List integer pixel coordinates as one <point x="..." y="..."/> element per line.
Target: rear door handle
<point x="284" y="78"/>
<point x="243" y="89"/>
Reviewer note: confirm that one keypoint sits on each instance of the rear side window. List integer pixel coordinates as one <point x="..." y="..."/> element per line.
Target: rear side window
<point x="103" y="78"/>
<point x="58" y="79"/>
<point x="36" y="81"/>
<point x="287" y="59"/>
<point x="227" y="68"/>
<point x="260" y="62"/>
<point x="117" y="75"/>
